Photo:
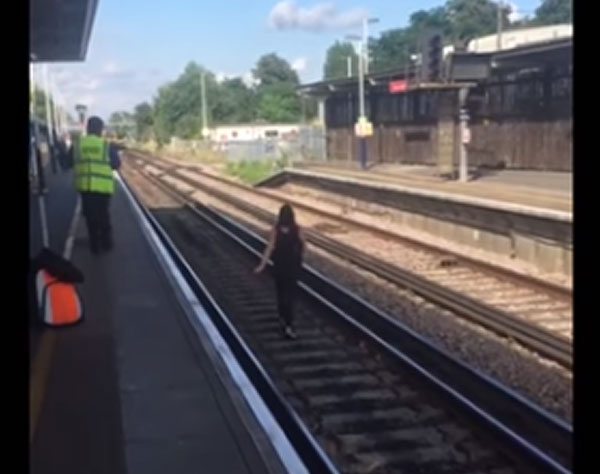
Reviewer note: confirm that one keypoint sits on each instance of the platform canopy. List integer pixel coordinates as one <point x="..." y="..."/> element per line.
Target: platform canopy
<point x="60" y="30"/>
<point x="544" y="54"/>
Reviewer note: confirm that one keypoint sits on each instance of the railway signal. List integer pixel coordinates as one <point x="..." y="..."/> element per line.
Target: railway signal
<point x="432" y="57"/>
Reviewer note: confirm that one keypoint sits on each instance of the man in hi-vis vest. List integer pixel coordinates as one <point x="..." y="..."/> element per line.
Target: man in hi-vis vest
<point x="94" y="161"/>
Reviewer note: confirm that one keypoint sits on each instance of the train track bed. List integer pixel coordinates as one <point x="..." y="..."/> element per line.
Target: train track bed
<point x="381" y="216"/>
<point x="544" y="382"/>
<point x="535" y="303"/>
<point x="387" y="219"/>
<point x="368" y="414"/>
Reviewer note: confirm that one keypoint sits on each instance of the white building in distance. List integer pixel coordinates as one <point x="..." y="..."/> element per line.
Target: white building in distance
<point x="515" y="38"/>
<point x="249" y="132"/>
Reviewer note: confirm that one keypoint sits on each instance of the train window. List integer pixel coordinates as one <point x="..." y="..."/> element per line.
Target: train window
<point x="271" y="133"/>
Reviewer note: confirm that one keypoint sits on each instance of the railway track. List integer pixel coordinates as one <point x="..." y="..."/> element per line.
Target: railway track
<point x="491" y="297"/>
<point x="357" y="392"/>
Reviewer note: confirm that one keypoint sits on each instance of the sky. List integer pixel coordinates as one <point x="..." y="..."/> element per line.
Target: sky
<point x="138" y="45"/>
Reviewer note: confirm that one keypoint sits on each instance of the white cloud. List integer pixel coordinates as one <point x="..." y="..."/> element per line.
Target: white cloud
<point x="91" y="85"/>
<point x="223" y="76"/>
<point x="286" y="15"/>
<point x="514" y="14"/>
<point x="299" y="64"/>
<point x="249" y="79"/>
<point x="103" y="87"/>
<point x="111" y="68"/>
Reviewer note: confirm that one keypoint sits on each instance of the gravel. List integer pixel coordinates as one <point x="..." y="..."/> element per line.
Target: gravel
<point x="542" y="381"/>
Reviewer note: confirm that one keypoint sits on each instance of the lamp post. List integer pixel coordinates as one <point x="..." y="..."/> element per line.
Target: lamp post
<point x="499" y="26"/>
<point x="349" y="61"/>
<point x="205" y="131"/>
<point x="50" y="122"/>
<point x="363" y="127"/>
<point x="365" y="39"/>
<point x="463" y="170"/>
<point x="362" y="141"/>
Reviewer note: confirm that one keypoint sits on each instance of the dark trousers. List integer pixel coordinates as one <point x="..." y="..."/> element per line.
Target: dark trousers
<point x="40" y="169"/>
<point x="285" y="287"/>
<point x="95" y="207"/>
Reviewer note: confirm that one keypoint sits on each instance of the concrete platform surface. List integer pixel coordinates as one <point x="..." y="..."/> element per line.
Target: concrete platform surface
<point x="550" y="191"/>
<point x="547" y="190"/>
<point x="130" y="390"/>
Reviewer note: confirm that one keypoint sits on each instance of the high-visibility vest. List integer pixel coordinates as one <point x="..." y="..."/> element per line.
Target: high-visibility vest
<point x="93" y="172"/>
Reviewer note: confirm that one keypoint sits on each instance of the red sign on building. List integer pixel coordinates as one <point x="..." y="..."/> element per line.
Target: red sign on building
<point x="398" y="86"/>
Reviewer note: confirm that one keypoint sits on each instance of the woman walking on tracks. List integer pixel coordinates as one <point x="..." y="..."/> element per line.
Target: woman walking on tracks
<point x="286" y="245"/>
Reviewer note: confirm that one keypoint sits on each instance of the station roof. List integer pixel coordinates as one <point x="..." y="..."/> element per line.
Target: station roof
<point x="60" y="30"/>
<point x="378" y="80"/>
<point x="532" y="55"/>
<point x="535" y="55"/>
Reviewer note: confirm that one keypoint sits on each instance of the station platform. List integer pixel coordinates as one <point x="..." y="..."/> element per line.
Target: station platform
<point x="59" y="203"/>
<point x="134" y="388"/>
<point x="545" y="190"/>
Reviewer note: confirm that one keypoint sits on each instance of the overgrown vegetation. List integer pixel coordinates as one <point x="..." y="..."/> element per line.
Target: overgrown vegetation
<point x="251" y="172"/>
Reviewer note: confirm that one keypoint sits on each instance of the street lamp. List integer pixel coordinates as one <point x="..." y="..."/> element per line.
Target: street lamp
<point x="363" y="127"/>
<point x="362" y="120"/>
<point x="499" y="25"/>
<point x="365" y="39"/>
<point x="205" y="132"/>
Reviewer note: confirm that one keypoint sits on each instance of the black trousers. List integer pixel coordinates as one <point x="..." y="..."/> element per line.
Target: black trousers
<point x="40" y="169"/>
<point x="95" y="207"/>
<point x="285" y="287"/>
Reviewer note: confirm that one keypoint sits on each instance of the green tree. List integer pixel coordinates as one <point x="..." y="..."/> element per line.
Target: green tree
<point x="470" y="19"/>
<point x="336" y="62"/>
<point x="458" y="20"/>
<point x="394" y="47"/>
<point x="425" y="20"/>
<point x="177" y="107"/>
<point x="235" y="102"/>
<point x="271" y="69"/>
<point x="144" y="121"/>
<point x="391" y="49"/>
<point x="121" y="123"/>
<point x="552" y="12"/>
<point x="279" y="103"/>
<point x="277" y="98"/>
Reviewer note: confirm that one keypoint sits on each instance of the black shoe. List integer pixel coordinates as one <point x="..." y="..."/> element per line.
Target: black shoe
<point x="107" y="246"/>
<point x="289" y="333"/>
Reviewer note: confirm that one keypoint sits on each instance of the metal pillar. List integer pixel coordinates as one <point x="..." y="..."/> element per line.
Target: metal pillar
<point x="349" y="62"/>
<point x="321" y="110"/>
<point x="499" y="26"/>
<point x="362" y="141"/>
<point x="463" y="121"/>
<point x="36" y="166"/>
<point x="50" y="124"/>
<point x="203" y="98"/>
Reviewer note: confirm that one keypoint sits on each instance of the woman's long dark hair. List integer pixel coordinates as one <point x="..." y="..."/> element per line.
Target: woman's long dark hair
<point x="286" y="218"/>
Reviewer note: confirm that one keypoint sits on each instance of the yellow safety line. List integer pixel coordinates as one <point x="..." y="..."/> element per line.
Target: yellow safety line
<point x="38" y="378"/>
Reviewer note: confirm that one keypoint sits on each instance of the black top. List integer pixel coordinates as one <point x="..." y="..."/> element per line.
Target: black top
<point x="287" y="255"/>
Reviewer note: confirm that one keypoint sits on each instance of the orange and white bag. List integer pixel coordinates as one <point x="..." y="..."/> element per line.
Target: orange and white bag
<point x="59" y="302"/>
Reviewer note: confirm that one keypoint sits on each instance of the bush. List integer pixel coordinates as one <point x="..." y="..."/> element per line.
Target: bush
<point x="250" y="172"/>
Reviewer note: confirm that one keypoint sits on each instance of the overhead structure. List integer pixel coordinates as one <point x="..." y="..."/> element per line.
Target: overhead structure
<point x="60" y="30"/>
